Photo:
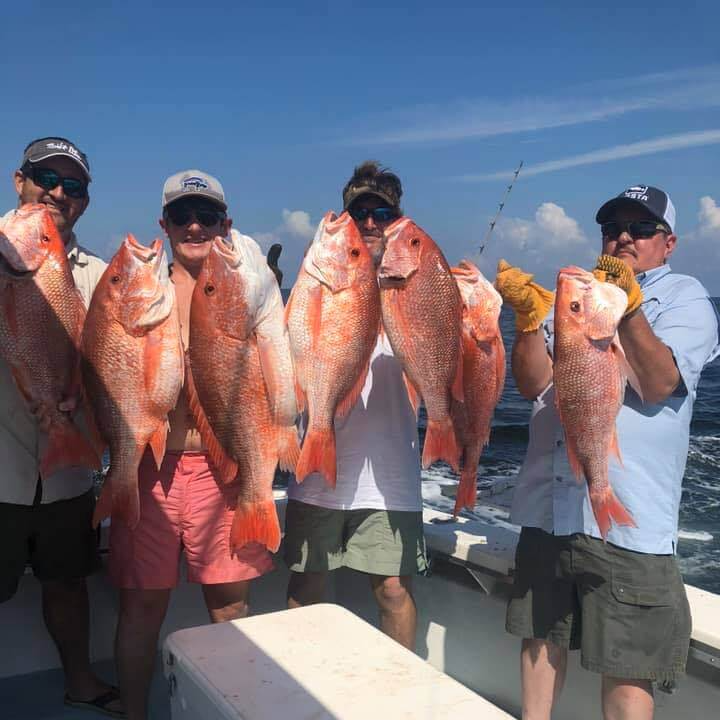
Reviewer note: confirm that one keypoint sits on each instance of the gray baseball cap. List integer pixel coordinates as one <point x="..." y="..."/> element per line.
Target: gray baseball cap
<point x="189" y="183"/>
<point x="47" y="147"/>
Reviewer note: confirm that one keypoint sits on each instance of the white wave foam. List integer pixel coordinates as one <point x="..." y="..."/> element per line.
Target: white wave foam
<point x="698" y="535"/>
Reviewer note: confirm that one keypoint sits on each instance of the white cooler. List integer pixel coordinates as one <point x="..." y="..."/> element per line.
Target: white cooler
<point x="313" y="663"/>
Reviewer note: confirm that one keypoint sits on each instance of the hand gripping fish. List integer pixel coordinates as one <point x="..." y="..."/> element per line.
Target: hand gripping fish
<point x="242" y="386"/>
<point x="483" y="373"/>
<point x="590" y="371"/>
<point x="133" y="368"/>
<point x="333" y="316"/>
<point x="41" y="320"/>
<point x="422" y="316"/>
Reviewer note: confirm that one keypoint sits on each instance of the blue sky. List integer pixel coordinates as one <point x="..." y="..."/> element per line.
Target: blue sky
<point x="280" y="102"/>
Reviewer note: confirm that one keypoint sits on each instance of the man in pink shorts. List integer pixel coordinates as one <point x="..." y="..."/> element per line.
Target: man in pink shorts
<point x="182" y="506"/>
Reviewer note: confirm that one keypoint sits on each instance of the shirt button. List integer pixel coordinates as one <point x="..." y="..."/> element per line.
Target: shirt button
<point x="558" y="478"/>
<point x="559" y="443"/>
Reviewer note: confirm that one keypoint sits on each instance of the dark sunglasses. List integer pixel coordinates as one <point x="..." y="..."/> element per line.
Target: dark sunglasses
<point x="637" y="230"/>
<point x="48" y="179"/>
<point x="205" y="216"/>
<point x="381" y="214"/>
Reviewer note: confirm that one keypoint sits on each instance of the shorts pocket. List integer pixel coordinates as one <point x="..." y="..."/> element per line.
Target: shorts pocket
<point x="646" y="595"/>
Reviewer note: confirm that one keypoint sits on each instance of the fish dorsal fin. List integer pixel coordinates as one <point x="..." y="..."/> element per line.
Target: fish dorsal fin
<point x="625" y="366"/>
<point x="225" y="466"/>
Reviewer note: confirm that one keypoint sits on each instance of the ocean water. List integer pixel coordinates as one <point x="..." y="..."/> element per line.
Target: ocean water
<point x="699" y="542"/>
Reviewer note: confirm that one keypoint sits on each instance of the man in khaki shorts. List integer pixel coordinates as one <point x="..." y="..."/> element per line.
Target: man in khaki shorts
<point x="372" y="520"/>
<point x="48" y="525"/>
<point x="621" y="602"/>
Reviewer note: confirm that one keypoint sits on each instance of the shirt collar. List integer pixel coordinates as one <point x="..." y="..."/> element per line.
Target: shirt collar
<point x="76" y="255"/>
<point x="647" y="278"/>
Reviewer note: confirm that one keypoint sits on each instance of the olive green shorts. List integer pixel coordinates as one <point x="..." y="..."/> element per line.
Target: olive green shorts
<point x="626" y="611"/>
<point x="381" y="542"/>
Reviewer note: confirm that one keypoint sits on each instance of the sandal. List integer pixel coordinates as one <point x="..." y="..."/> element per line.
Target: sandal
<point x="99" y="704"/>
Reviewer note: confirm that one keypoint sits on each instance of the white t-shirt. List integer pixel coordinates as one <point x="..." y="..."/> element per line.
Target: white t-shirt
<point x="378" y="464"/>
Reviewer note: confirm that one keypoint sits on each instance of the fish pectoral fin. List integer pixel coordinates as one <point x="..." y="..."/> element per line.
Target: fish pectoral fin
<point x="225" y="466"/>
<point x="625" y="367"/>
<point x="348" y="402"/>
<point x="413" y="395"/>
<point x="157" y="443"/>
<point x="314" y="315"/>
<point x="457" y="390"/>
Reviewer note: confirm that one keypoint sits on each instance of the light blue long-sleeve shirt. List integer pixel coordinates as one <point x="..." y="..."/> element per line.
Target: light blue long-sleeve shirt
<point x="653" y="439"/>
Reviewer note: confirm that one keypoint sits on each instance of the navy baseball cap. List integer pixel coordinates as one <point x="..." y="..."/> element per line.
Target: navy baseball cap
<point x="656" y="202"/>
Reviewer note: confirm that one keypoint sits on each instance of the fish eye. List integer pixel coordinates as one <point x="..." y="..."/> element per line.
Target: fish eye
<point x="115" y="279"/>
<point x="575" y="306"/>
<point x="209" y="289"/>
<point x="355" y="252"/>
<point x="45" y="239"/>
<point x="415" y="242"/>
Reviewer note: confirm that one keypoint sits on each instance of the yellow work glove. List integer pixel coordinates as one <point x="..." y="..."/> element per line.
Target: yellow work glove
<point x="530" y="301"/>
<point x="613" y="270"/>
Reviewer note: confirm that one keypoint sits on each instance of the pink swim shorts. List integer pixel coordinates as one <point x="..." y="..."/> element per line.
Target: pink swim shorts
<point x="182" y="506"/>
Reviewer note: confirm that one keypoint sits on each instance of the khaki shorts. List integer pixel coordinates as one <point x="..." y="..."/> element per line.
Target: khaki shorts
<point x="626" y="611"/>
<point x="57" y="539"/>
<point x="380" y="542"/>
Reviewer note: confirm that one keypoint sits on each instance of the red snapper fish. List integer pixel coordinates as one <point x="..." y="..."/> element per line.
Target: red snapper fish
<point x="483" y="373"/>
<point x="243" y="385"/>
<point x="41" y="320"/>
<point x="422" y="316"/>
<point x="133" y="368"/>
<point x="333" y="316"/>
<point x="590" y="372"/>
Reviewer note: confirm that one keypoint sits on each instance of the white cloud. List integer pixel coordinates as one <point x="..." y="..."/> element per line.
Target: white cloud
<point x="542" y="245"/>
<point x="617" y="152"/>
<point x="297" y="222"/>
<point x="483" y="117"/>
<point x="709" y="217"/>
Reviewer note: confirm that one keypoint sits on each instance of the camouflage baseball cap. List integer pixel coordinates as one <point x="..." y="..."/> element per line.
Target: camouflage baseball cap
<point x="370" y="179"/>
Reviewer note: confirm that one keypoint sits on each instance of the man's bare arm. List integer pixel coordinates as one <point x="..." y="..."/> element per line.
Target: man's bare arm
<point x="649" y="357"/>
<point x="531" y="364"/>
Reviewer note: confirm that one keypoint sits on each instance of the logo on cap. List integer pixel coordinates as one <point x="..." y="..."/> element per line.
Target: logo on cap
<point x="194" y="183"/>
<point x="637" y="192"/>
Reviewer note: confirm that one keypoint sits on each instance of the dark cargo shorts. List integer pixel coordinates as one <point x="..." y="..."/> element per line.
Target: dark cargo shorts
<point x="626" y="611"/>
<point x="380" y="542"/>
<point x="57" y="539"/>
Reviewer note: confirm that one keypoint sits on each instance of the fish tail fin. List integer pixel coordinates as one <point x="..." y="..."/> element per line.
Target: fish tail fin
<point x="255" y="522"/>
<point x="467" y="490"/>
<point x="121" y="500"/>
<point x="607" y="508"/>
<point x="288" y="449"/>
<point x="318" y="455"/>
<point x="67" y="447"/>
<point x="441" y="444"/>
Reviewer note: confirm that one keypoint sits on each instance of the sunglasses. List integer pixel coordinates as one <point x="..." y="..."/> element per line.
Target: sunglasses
<point x="381" y="214"/>
<point x="637" y="230"/>
<point x="48" y="179"/>
<point x="184" y="215"/>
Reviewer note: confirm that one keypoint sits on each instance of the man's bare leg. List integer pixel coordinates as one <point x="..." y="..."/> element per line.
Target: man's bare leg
<point x="627" y="699"/>
<point x="543" y="666"/>
<point x="398" y="614"/>
<point x="306" y="588"/>
<point x="141" y="615"/>
<point x="67" y="617"/>
<point x="227" y="601"/>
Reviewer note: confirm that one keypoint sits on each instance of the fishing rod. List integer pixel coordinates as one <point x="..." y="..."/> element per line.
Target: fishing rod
<point x="491" y="227"/>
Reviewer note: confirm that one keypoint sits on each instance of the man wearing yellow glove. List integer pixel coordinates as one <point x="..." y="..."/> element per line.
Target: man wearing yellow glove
<point x="622" y="602"/>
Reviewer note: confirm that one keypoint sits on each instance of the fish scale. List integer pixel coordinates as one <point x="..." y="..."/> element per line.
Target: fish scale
<point x="41" y="319"/>
<point x="589" y="375"/>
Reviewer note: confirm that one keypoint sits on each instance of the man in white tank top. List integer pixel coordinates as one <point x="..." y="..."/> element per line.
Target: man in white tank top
<point x="372" y="520"/>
